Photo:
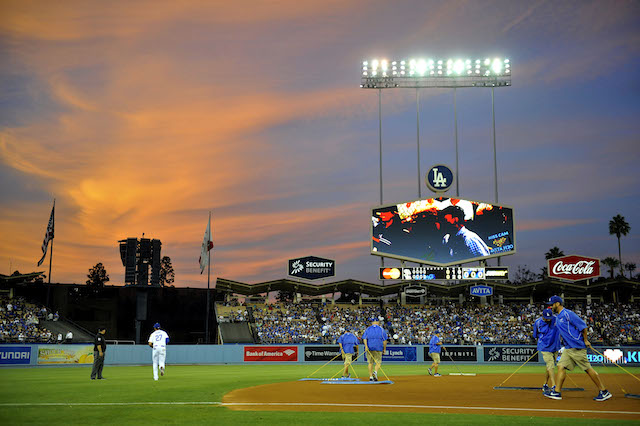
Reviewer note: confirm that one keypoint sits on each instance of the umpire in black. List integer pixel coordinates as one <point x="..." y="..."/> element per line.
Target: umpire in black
<point x="99" y="348"/>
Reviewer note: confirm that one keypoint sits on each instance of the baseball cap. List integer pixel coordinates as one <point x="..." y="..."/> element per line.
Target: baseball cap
<point x="156" y="325"/>
<point x="554" y="299"/>
<point x="547" y="314"/>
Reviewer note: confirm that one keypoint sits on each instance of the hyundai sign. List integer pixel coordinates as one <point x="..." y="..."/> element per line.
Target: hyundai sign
<point x="15" y="355"/>
<point x="481" y="290"/>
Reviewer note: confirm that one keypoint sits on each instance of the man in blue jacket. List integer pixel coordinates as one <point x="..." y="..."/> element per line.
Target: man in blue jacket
<point x="545" y="330"/>
<point x="375" y="343"/>
<point x="435" y="348"/>
<point x="574" y="334"/>
<point x="348" y="341"/>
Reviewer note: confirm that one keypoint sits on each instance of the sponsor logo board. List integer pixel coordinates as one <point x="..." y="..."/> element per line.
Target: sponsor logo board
<point x="481" y="290"/>
<point x="65" y="354"/>
<point x="398" y="353"/>
<point x="574" y="267"/>
<point x="324" y="353"/>
<point x="458" y="353"/>
<point x="311" y="268"/>
<point x="508" y="353"/>
<point x="270" y="353"/>
<point x="15" y="355"/>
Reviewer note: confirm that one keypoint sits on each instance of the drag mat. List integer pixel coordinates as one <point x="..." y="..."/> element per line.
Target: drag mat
<point x="446" y="394"/>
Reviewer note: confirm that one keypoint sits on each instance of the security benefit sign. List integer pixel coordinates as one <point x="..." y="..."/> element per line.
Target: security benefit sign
<point x="312" y="268"/>
<point x="270" y="353"/>
<point x="458" y="353"/>
<point x="15" y="355"/>
<point x="325" y="353"/>
<point x="508" y="353"/>
<point x="398" y="353"/>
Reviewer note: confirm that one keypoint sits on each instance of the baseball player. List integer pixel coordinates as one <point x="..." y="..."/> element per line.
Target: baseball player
<point x="545" y="330"/>
<point x="574" y="334"/>
<point x="158" y="341"/>
<point x="435" y="348"/>
<point x="347" y="343"/>
<point x="375" y="343"/>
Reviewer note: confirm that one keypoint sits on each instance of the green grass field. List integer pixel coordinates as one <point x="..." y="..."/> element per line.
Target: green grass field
<point x="71" y="387"/>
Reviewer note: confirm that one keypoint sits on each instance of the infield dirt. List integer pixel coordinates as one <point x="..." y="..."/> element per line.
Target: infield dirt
<point x="446" y="394"/>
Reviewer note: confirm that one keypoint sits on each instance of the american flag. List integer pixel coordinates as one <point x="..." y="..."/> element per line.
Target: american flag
<point x="49" y="234"/>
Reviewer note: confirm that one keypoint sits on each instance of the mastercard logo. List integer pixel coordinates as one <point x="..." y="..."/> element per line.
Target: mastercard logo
<point x="391" y="273"/>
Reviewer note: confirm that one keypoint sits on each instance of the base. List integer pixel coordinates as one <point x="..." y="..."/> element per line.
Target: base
<point x="462" y="374"/>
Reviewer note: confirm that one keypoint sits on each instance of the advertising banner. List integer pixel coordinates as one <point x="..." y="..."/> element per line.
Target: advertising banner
<point x="623" y="356"/>
<point x="458" y="353"/>
<point x="508" y="353"/>
<point x="324" y="353"/>
<point x="65" y="354"/>
<point x="481" y="290"/>
<point x="312" y="268"/>
<point x="399" y="353"/>
<point x="573" y="267"/>
<point x="270" y="353"/>
<point x="15" y="355"/>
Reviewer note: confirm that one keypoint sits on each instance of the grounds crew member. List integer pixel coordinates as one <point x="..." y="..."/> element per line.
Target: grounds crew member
<point x="99" y="348"/>
<point x="435" y="348"/>
<point x="574" y="334"/>
<point x="546" y="332"/>
<point x="375" y="343"/>
<point x="158" y="341"/>
<point x="347" y="342"/>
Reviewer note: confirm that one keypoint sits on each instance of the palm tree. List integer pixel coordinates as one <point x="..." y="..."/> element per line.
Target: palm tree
<point x="619" y="227"/>
<point x="553" y="253"/>
<point x="612" y="263"/>
<point x="630" y="267"/>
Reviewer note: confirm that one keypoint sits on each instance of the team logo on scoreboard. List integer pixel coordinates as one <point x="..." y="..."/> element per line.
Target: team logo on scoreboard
<point x="439" y="178"/>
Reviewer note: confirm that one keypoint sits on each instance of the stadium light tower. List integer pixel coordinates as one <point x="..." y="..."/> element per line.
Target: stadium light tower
<point x="425" y="73"/>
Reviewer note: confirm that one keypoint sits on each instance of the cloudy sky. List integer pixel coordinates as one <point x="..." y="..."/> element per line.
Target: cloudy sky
<point x="141" y="117"/>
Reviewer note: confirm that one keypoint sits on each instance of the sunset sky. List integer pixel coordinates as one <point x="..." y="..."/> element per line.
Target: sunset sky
<point x="143" y="116"/>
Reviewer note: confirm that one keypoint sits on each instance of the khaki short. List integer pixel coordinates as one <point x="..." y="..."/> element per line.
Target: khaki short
<point x="348" y="358"/>
<point x="550" y="359"/>
<point x="572" y="357"/>
<point x="375" y="358"/>
<point x="435" y="357"/>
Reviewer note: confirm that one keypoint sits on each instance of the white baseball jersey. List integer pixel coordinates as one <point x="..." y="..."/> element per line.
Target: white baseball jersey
<point x="159" y="339"/>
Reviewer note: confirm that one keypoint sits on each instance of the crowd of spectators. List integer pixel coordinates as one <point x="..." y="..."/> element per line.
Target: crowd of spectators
<point x="608" y="324"/>
<point x="287" y="323"/>
<point x="20" y="322"/>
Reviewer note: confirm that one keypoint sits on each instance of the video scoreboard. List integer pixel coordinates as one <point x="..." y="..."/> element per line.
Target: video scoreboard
<point x="428" y="273"/>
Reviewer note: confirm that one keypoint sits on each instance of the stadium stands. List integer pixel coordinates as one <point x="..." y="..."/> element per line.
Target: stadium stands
<point x="20" y="322"/>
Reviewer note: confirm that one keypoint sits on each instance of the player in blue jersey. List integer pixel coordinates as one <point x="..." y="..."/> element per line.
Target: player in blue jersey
<point x="348" y="342"/>
<point x="375" y="343"/>
<point x="435" y="348"/>
<point x="574" y="334"/>
<point x="546" y="332"/>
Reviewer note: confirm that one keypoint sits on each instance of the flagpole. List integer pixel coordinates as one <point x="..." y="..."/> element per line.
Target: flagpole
<point x="208" y="281"/>
<point x="51" y="259"/>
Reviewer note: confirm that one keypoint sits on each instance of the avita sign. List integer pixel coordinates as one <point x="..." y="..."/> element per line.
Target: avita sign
<point x="574" y="268"/>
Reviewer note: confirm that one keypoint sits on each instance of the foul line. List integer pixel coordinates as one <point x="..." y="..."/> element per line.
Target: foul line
<point x="320" y="404"/>
<point x="311" y="404"/>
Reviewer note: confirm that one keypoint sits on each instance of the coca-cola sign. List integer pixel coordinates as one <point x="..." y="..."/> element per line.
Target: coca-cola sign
<point x="574" y="268"/>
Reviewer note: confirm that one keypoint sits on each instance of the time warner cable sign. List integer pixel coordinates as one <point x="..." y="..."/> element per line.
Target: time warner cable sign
<point x="312" y="268"/>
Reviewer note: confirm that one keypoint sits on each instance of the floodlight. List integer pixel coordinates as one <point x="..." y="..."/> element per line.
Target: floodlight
<point x="458" y="66"/>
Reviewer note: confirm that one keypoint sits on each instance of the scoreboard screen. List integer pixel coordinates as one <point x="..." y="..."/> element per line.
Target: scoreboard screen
<point x="428" y="273"/>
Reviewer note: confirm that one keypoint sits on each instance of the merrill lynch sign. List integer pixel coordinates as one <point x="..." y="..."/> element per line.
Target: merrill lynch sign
<point x="574" y="268"/>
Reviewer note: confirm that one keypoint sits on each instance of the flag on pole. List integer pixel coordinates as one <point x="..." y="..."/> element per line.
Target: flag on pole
<point x="207" y="245"/>
<point x="49" y="234"/>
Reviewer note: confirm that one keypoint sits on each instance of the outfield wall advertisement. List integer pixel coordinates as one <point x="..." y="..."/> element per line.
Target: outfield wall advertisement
<point x="457" y="353"/>
<point x="65" y="354"/>
<point x="14" y="355"/>
<point x="508" y="353"/>
<point x="270" y="353"/>
<point x="398" y="353"/>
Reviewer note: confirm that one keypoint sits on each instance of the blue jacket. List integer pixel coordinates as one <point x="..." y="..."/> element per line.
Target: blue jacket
<point x="348" y="341"/>
<point x="547" y="334"/>
<point x="570" y="327"/>
<point x="434" y="347"/>
<point x="375" y="336"/>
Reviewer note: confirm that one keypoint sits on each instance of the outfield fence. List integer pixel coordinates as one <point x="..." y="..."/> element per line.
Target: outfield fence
<point x="82" y="354"/>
